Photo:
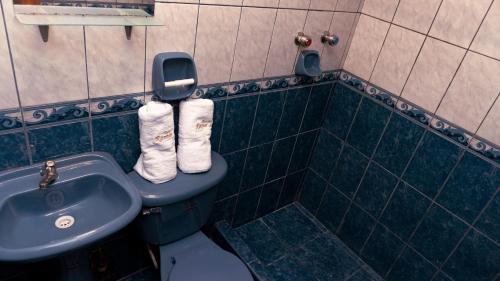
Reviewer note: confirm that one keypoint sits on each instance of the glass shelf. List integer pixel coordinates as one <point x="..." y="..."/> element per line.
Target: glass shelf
<point x="45" y="16"/>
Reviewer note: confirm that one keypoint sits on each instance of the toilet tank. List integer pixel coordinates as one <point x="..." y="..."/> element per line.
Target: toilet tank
<point x="178" y="208"/>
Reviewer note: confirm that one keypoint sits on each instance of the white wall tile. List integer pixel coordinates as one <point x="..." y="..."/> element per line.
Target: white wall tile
<point x="417" y="14"/>
<point x="348" y="5"/>
<point x="261" y="3"/>
<point x="487" y="40"/>
<point x="297" y="4"/>
<point x="217" y="30"/>
<point x="115" y="64"/>
<point x="437" y="63"/>
<point x="490" y="129"/>
<point x="325" y="5"/>
<point x="283" y="50"/>
<point x="472" y="91"/>
<point x="177" y="34"/>
<point x="382" y="9"/>
<point x="9" y="94"/>
<point x="47" y="72"/>
<point x="458" y="20"/>
<point x="342" y="25"/>
<point x="222" y="2"/>
<point x="254" y="39"/>
<point x="396" y="59"/>
<point x="317" y="22"/>
<point x="176" y="1"/>
<point x="362" y="55"/>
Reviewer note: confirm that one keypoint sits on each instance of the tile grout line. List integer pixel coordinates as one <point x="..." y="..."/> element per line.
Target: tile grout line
<point x="295" y="142"/>
<point x="399" y="180"/>
<point x="426" y="212"/>
<point x="383" y="42"/>
<point x="89" y="103"/>
<point x="29" y="152"/>
<point x="342" y="148"/>
<point x="463" y="59"/>
<point x="421" y="48"/>
<point x="467" y="232"/>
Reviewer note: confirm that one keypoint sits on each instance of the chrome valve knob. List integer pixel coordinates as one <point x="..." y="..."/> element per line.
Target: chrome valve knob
<point x="329" y="39"/>
<point x="303" y="40"/>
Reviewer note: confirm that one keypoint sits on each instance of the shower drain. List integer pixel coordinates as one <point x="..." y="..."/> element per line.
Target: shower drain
<point x="64" y="222"/>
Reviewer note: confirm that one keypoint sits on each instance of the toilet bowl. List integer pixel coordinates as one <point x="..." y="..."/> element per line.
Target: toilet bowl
<point x="172" y="216"/>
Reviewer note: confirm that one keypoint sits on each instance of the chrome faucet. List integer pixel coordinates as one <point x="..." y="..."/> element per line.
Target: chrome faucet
<point x="48" y="173"/>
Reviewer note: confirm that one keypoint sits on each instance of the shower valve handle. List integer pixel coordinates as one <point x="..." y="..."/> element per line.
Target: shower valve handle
<point x="303" y="40"/>
<point x="329" y="39"/>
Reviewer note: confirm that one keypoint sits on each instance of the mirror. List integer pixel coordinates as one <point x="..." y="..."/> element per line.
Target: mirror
<point x="146" y="5"/>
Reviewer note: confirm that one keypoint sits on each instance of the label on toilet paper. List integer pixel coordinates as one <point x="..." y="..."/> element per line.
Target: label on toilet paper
<point x="203" y="127"/>
<point x="164" y="137"/>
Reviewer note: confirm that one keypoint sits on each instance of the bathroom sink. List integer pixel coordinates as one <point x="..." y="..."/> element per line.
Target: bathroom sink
<point x="91" y="199"/>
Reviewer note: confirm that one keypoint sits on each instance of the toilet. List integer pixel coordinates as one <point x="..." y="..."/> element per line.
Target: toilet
<point x="172" y="216"/>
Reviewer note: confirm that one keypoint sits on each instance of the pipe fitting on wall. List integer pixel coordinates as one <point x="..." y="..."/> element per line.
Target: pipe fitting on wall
<point x="303" y="40"/>
<point x="329" y="39"/>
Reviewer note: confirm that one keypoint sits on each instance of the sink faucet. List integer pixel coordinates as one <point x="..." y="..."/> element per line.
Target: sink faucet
<point x="48" y="173"/>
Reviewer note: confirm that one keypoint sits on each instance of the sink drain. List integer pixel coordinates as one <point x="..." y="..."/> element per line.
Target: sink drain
<point x="64" y="222"/>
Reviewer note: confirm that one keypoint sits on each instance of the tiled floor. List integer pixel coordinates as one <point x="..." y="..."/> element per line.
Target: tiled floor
<point x="289" y="244"/>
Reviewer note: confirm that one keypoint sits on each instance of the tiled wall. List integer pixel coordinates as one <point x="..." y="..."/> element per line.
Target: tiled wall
<point x="414" y="202"/>
<point x="55" y="93"/>
<point x="442" y="55"/>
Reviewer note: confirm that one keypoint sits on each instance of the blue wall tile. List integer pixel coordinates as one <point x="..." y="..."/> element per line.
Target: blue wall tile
<point x="58" y="141"/>
<point x="291" y="188"/>
<point x="398" y="143"/>
<point x="477" y="258"/>
<point x="295" y="105"/>
<point x="355" y="229"/>
<point x="405" y="210"/>
<point x="441" y="277"/>
<point x="302" y="151"/>
<point x="349" y="170"/>
<point x="238" y="122"/>
<point x="375" y="189"/>
<point x="223" y="210"/>
<point x="438" y="234"/>
<point x="269" y="198"/>
<point x="13" y="151"/>
<point x="231" y="182"/>
<point x="368" y="126"/>
<point x="267" y="117"/>
<point x="489" y="222"/>
<point x="381" y="250"/>
<point x="328" y="260"/>
<point x="325" y="154"/>
<point x="256" y="166"/>
<point x="280" y="157"/>
<point x="312" y="191"/>
<point x="432" y="163"/>
<point x="332" y="209"/>
<point x="246" y="206"/>
<point x="219" y="107"/>
<point x="316" y="106"/>
<point x="119" y="136"/>
<point x="291" y="226"/>
<point x="341" y="110"/>
<point x="264" y="243"/>
<point x="411" y="267"/>
<point x="470" y="187"/>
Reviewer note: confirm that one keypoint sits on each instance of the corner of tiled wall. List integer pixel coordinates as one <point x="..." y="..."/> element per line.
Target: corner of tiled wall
<point x="436" y="54"/>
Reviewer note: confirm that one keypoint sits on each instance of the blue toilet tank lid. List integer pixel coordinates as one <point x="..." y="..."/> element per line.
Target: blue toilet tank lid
<point x="184" y="186"/>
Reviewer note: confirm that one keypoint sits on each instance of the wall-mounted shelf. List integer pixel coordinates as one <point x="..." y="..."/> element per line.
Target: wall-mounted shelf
<point x="45" y="16"/>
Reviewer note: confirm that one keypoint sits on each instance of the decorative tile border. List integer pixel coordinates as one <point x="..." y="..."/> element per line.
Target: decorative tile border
<point x="37" y="115"/>
<point x="422" y="116"/>
<point x="44" y="114"/>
